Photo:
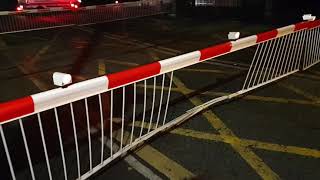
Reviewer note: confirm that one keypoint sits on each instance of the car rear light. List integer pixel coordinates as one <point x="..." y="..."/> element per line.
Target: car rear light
<point x="20" y="8"/>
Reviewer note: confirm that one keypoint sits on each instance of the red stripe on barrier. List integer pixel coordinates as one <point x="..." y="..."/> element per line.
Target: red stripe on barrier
<point x="132" y="75"/>
<point x="314" y="24"/>
<point x="307" y="25"/>
<point x="266" y="36"/>
<point x="300" y="26"/>
<point x="214" y="51"/>
<point x="16" y="108"/>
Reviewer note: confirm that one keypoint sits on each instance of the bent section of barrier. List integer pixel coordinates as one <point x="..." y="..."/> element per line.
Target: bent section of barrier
<point x="101" y="115"/>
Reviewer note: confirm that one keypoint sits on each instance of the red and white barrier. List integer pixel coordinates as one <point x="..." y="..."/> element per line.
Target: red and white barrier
<point x="43" y="101"/>
<point x="279" y="53"/>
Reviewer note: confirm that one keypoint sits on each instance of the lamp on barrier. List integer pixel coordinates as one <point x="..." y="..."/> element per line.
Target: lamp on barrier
<point x="233" y="35"/>
<point x="308" y="17"/>
<point x="61" y="79"/>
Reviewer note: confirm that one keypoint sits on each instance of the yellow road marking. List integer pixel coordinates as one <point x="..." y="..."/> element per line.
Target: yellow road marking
<point x="156" y="159"/>
<point x="247" y="142"/>
<point x="163" y="164"/>
<point x="300" y="92"/>
<point x="35" y="79"/>
<point x="119" y="62"/>
<point x="245" y="152"/>
<point x="101" y="68"/>
<point x="314" y="72"/>
<point x="205" y="71"/>
<point x="247" y="97"/>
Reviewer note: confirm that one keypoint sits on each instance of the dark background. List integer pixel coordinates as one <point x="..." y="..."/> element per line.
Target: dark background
<point x="251" y="10"/>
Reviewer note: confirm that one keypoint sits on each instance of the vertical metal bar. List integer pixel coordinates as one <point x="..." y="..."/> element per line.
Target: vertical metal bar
<point x="309" y="62"/>
<point x="295" y="47"/>
<point x="153" y="102"/>
<point x="273" y="60"/>
<point x="296" y="52"/>
<point x="102" y="128"/>
<point x="160" y="103"/>
<point x="75" y="139"/>
<point x="286" y="54"/>
<point x="261" y="64"/>
<point x="306" y="50"/>
<point x="26" y="148"/>
<point x="111" y="119"/>
<point x="44" y="146"/>
<point x="318" y="45"/>
<point x="168" y="99"/>
<point x="283" y="52"/>
<point x="134" y="111"/>
<point x="144" y="107"/>
<point x="61" y="144"/>
<point x="302" y="48"/>
<point x="313" y="47"/>
<point x="251" y="66"/>
<point x="122" y="118"/>
<point x="288" y="57"/>
<point x="255" y="71"/>
<point x="269" y="59"/>
<point x="89" y="133"/>
<point x="4" y="141"/>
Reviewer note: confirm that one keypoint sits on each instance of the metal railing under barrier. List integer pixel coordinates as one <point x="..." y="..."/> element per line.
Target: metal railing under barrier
<point x="37" y="19"/>
<point x="75" y="131"/>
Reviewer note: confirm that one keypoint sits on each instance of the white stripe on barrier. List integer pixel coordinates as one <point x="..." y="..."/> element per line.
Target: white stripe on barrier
<point x="285" y="30"/>
<point x="181" y="61"/>
<point x="90" y="7"/>
<point x="5" y="13"/>
<point x="57" y="97"/>
<point x="243" y="43"/>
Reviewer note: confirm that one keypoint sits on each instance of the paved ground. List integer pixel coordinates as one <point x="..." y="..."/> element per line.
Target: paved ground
<point x="271" y="133"/>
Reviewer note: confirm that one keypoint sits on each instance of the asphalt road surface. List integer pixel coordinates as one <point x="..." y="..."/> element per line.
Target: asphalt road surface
<point x="271" y="133"/>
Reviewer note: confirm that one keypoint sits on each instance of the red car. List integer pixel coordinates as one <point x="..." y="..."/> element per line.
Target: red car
<point x="43" y="4"/>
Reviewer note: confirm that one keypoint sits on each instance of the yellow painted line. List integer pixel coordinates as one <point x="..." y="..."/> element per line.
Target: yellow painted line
<point x="314" y="72"/>
<point x="157" y="160"/>
<point x="307" y="76"/>
<point x="299" y="91"/>
<point x="35" y="79"/>
<point x="163" y="164"/>
<point x="246" y="142"/>
<point x="29" y="66"/>
<point x="119" y="62"/>
<point x="101" y="68"/>
<point x="205" y="71"/>
<point x="246" y="97"/>
<point x="245" y="152"/>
